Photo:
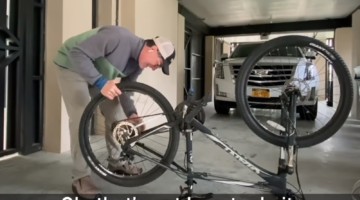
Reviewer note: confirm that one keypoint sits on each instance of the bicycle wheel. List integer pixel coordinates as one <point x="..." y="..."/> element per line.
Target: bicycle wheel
<point x="96" y="145"/>
<point x="315" y="69"/>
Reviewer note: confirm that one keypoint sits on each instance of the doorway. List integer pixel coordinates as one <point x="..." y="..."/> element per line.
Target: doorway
<point x="21" y="75"/>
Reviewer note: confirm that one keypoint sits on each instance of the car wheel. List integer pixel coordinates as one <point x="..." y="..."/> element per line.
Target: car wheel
<point x="309" y="112"/>
<point x="221" y="107"/>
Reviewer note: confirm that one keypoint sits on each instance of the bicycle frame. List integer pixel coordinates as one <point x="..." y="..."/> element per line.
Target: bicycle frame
<point x="275" y="182"/>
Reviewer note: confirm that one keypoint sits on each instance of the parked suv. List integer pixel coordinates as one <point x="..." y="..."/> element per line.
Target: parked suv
<point x="268" y="79"/>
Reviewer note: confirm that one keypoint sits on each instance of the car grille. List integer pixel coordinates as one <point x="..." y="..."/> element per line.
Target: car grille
<point x="264" y="76"/>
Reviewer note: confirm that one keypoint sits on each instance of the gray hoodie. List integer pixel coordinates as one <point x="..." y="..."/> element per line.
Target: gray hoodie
<point x="103" y="53"/>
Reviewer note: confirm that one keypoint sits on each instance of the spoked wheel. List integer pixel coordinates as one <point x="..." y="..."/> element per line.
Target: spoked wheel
<point x="101" y="138"/>
<point x="316" y="70"/>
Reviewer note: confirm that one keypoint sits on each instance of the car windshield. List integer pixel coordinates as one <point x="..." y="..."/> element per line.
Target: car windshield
<point x="244" y="50"/>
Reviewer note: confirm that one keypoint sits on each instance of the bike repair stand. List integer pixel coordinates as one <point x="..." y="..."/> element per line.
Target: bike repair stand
<point x="187" y="192"/>
<point x="287" y="158"/>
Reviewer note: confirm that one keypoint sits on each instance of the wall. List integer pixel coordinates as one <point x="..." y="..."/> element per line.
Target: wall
<point x="106" y="12"/>
<point x="180" y="60"/>
<point x="343" y="44"/>
<point x="347" y="44"/>
<point x="355" y="38"/>
<point x="356" y="60"/>
<point x="226" y="48"/>
<point x="153" y="20"/>
<point x="127" y="14"/>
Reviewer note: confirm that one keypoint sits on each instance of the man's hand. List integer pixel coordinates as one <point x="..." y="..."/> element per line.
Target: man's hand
<point x="110" y="90"/>
<point x="135" y="119"/>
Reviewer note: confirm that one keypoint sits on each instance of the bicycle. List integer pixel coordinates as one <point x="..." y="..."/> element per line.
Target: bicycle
<point x="188" y="117"/>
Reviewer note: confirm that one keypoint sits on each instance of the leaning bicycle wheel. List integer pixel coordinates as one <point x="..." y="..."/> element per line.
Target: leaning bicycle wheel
<point x="99" y="137"/>
<point x="315" y="69"/>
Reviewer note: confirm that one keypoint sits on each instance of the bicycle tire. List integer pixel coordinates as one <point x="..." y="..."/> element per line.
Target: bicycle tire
<point x="129" y="181"/>
<point x="340" y="68"/>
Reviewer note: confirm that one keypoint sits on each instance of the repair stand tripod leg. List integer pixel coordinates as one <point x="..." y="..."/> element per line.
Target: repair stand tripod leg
<point x="186" y="192"/>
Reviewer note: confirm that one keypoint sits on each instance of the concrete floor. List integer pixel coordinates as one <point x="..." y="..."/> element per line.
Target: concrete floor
<point x="328" y="168"/>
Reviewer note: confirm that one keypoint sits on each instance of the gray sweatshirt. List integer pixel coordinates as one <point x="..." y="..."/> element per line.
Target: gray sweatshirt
<point x="103" y="53"/>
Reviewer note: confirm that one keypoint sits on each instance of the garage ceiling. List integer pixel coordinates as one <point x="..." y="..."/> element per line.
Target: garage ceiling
<point x="227" y="13"/>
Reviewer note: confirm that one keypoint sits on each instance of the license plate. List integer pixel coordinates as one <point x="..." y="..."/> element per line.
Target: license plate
<point x="261" y="93"/>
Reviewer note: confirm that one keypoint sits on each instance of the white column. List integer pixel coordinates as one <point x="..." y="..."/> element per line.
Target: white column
<point x="64" y="18"/>
<point x="209" y="60"/>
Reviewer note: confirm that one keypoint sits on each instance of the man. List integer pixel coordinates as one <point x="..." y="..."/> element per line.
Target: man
<point x="90" y="63"/>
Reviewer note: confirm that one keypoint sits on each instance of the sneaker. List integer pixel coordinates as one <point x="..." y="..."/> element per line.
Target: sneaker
<point x="123" y="166"/>
<point x="85" y="188"/>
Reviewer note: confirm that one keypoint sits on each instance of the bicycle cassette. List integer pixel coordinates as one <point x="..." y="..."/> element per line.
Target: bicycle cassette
<point x="123" y="131"/>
